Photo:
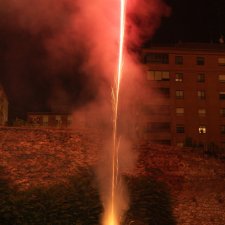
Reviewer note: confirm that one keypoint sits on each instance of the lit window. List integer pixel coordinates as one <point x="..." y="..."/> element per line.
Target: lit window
<point x="201" y="77"/>
<point x="180" y="144"/>
<point x="202" y="129"/>
<point x="150" y="75"/>
<point x="221" y="61"/>
<point x="158" y="75"/>
<point x="222" y="78"/>
<point x="45" y="120"/>
<point x="179" y="77"/>
<point x="200" y="60"/>
<point x="222" y="112"/>
<point x="179" y="111"/>
<point x="201" y="94"/>
<point x="201" y="112"/>
<point x="179" y="60"/>
<point x="222" y="95"/>
<point x="179" y="94"/>
<point x="222" y="129"/>
<point x="180" y="128"/>
<point x="58" y="118"/>
<point x="69" y="120"/>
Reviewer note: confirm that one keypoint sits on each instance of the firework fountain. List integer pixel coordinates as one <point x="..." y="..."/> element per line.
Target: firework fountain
<point x="111" y="215"/>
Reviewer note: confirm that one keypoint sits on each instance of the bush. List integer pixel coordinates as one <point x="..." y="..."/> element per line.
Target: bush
<point x="78" y="202"/>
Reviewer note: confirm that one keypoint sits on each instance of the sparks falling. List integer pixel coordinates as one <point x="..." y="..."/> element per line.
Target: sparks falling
<point x="112" y="217"/>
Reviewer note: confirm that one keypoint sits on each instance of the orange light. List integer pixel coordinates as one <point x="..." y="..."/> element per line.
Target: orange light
<point x="111" y="218"/>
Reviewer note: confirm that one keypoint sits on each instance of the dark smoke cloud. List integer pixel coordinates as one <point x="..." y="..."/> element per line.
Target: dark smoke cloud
<point x="55" y="51"/>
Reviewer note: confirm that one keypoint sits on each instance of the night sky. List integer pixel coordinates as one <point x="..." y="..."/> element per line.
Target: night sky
<point x="35" y="82"/>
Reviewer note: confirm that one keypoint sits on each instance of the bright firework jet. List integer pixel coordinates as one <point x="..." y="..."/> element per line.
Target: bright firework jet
<point x="111" y="217"/>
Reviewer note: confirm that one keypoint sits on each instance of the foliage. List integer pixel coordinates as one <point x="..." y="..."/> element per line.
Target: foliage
<point x="78" y="202"/>
<point x="150" y="202"/>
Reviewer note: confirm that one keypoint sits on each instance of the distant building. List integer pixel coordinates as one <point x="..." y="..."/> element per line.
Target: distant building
<point x="3" y="107"/>
<point x="48" y="119"/>
<point x="187" y="85"/>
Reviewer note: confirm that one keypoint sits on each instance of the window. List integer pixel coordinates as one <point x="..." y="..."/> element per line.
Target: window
<point x="180" y="144"/>
<point x="221" y="61"/>
<point x="45" y="120"/>
<point x="201" y="112"/>
<point x="157" y="58"/>
<point x="158" y="127"/>
<point x="222" y="95"/>
<point x="200" y="60"/>
<point x="180" y="111"/>
<point x="156" y="109"/>
<point x="202" y="129"/>
<point x="179" y="77"/>
<point x="222" y="78"/>
<point x="222" y="129"/>
<point x="69" y="120"/>
<point x="58" y="118"/>
<point x="201" y="94"/>
<point x="162" y="142"/>
<point x="222" y="112"/>
<point x="163" y="92"/>
<point x="179" y="94"/>
<point x="179" y="60"/>
<point x="180" y="128"/>
<point x="201" y="78"/>
<point x="158" y="75"/>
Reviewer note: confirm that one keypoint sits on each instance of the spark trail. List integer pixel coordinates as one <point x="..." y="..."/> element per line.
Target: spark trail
<point x="112" y="218"/>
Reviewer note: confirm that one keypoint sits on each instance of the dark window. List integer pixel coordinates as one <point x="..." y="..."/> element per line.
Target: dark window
<point x="222" y="95"/>
<point x="201" y="78"/>
<point x="158" y="58"/>
<point x="163" y="92"/>
<point x="162" y="142"/>
<point x="180" y="128"/>
<point x="222" y="129"/>
<point x="179" y="94"/>
<point x="201" y="94"/>
<point x="179" y="77"/>
<point x="179" y="60"/>
<point x="158" y="127"/>
<point x="222" y="112"/>
<point x="156" y="109"/>
<point x="200" y="60"/>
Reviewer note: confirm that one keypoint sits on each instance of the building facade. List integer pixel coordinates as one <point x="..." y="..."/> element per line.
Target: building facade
<point x="187" y="100"/>
<point x="48" y="119"/>
<point x="3" y="107"/>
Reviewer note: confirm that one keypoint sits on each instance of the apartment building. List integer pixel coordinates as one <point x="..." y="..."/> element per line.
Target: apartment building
<point x="3" y="107"/>
<point x="187" y="100"/>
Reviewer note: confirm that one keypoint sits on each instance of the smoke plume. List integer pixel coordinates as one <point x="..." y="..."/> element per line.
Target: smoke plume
<point x="78" y="43"/>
